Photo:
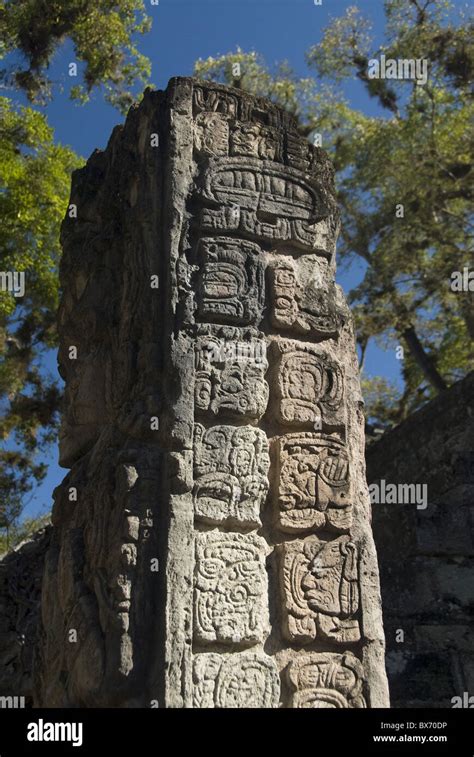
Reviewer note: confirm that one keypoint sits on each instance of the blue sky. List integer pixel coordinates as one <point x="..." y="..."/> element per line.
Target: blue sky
<point x="182" y="32"/>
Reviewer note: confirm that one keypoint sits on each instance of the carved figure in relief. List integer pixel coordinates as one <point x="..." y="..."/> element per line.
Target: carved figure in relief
<point x="265" y="200"/>
<point x="230" y="385"/>
<point x="254" y="140"/>
<point x="215" y="101"/>
<point x="320" y="585"/>
<point x="231" y="281"/>
<point x="326" y="681"/>
<point x="211" y="134"/>
<point x="309" y="386"/>
<point x="231" y="474"/>
<point x="230" y="595"/>
<point x="312" y="473"/>
<point x="305" y="310"/>
<point x="235" y="681"/>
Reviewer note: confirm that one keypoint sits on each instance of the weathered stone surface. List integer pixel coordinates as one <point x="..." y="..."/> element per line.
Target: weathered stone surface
<point x="239" y="680"/>
<point x="326" y="681"/>
<point x="231" y="592"/>
<point x="435" y="661"/>
<point x="200" y="326"/>
<point x="428" y="554"/>
<point x="231" y="467"/>
<point x="228" y="386"/>
<point x="320" y="585"/>
<point x="309" y="386"/>
<point x="21" y="574"/>
<point x="312" y="480"/>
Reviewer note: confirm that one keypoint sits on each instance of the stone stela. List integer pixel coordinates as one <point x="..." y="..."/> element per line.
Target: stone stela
<point x="219" y="551"/>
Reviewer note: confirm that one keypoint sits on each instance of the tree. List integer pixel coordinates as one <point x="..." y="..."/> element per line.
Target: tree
<point x="101" y="31"/>
<point x="35" y="175"/>
<point x="404" y="180"/>
<point x="20" y="532"/>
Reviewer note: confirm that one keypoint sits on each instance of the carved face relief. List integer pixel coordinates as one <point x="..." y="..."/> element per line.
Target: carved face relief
<point x="116" y="542"/>
<point x="326" y="680"/>
<point x="235" y="681"/>
<point x="310" y="385"/>
<point x="230" y="381"/>
<point x="231" y="281"/>
<point x="320" y="589"/>
<point x="230" y="470"/>
<point x="230" y="598"/>
<point x="313" y="479"/>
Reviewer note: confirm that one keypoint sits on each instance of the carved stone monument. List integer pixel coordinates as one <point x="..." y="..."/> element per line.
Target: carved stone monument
<point x="212" y="543"/>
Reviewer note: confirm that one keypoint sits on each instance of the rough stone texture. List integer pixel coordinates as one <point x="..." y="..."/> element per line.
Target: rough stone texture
<point x="223" y="403"/>
<point x="21" y="574"/>
<point x="428" y="554"/>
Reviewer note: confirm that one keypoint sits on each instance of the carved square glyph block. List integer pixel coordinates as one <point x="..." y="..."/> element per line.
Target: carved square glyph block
<point x="309" y="385"/>
<point x="326" y="680"/>
<point x="230" y="474"/>
<point x="320" y="589"/>
<point x="312" y="482"/>
<point x="238" y="680"/>
<point x="231" y="589"/>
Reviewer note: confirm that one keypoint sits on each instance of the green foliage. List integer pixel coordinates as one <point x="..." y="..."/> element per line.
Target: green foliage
<point x="35" y="175"/>
<point x="102" y="33"/>
<point x="21" y="531"/>
<point x="418" y="153"/>
<point x="381" y="399"/>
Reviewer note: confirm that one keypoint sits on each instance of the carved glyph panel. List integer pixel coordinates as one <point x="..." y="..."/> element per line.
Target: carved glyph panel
<point x="235" y="681"/>
<point x="209" y="100"/>
<point x="230" y="473"/>
<point x="326" y="681"/>
<point x="312" y="477"/>
<point x="264" y="200"/>
<point x="320" y="589"/>
<point x="231" y="593"/>
<point x="305" y="310"/>
<point x="230" y="378"/>
<point x="230" y="281"/>
<point x="211" y="134"/>
<point x="255" y="140"/>
<point x="309" y="387"/>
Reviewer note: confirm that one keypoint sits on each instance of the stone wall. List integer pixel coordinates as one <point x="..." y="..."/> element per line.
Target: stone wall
<point x="426" y="555"/>
<point x="21" y="575"/>
<point x="211" y="543"/>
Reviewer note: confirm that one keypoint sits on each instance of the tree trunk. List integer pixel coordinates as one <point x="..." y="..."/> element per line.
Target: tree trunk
<point x="423" y="360"/>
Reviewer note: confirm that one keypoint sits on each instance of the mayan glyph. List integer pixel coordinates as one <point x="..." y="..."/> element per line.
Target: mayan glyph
<point x="212" y="544"/>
